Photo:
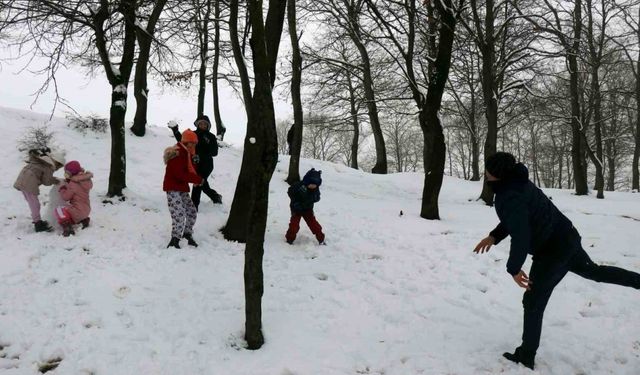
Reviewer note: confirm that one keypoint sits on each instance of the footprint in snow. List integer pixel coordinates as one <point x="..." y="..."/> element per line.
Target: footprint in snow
<point x="122" y="292"/>
<point x="321" y="276"/>
<point x="49" y="365"/>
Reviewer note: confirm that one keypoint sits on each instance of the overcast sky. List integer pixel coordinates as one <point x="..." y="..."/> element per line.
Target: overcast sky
<point x="92" y="96"/>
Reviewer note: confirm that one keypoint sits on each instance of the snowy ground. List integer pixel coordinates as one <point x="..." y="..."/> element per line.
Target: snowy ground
<point x="390" y="294"/>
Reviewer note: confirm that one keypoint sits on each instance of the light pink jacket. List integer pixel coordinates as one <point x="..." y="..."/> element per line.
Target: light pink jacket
<point x="37" y="172"/>
<point x="76" y="192"/>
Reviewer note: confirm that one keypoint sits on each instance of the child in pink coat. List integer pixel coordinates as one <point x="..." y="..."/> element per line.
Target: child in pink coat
<point x="75" y="190"/>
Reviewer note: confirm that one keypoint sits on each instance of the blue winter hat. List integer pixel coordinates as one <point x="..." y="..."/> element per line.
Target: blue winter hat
<point x="312" y="177"/>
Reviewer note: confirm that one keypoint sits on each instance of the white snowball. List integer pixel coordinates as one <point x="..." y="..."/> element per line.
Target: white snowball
<point x="252" y="140"/>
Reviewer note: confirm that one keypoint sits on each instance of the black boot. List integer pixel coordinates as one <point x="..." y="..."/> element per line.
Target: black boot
<point x="42" y="226"/>
<point x="525" y="357"/>
<point x="67" y="230"/>
<point x="175" y="242"/>
<point x="85" y="223"/>
<point x="190" y="239"/>
<point x="217" y="198"/>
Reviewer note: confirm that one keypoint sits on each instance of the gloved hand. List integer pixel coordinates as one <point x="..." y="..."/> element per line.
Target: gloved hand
<point x="172" y="124"/>
<point x="195" y="159"/>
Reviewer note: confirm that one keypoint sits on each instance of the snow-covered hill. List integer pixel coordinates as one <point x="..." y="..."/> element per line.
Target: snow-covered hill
<point x="390" y="294"/>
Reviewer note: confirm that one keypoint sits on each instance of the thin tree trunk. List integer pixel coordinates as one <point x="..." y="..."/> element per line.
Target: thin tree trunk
<point x="355" y="140"/>
<point x="296" y="81"/>
<point x="635" y="164"/>
<point x="381" y="153"/>
<point x="220" y="128"/>
<point x="475" y="146"/>
<point x="577" y="153"/>
<point x="204" y="52"/>
<point x="140" y="90"/>
<point x="434" y="145"/>
<point x="236" y="227"/>
<point x="594" y="53"/>
<point x="610" y="146"/>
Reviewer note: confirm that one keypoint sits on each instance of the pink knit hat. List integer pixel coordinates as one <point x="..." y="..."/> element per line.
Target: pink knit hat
<point x="73" y="167"/>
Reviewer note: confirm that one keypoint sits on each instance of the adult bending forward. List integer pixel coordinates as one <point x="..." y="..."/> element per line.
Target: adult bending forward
<point x="537" y="227"/>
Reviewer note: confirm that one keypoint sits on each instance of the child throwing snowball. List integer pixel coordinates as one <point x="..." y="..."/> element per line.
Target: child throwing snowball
<point x="179" y="172"/>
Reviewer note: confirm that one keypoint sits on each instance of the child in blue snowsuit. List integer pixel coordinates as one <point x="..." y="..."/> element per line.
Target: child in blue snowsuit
<point x="304" y="195"/>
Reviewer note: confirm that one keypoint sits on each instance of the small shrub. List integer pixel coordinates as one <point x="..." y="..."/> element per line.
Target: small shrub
<point x="86" y="124"/>
<point x="36" y="138"/>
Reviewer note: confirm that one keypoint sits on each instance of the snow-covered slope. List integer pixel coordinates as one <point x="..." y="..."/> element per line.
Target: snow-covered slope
<point x="389" y="294"/>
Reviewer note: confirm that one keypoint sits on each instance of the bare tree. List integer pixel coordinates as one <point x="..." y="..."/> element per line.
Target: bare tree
<point x="564" y="28"/>
<point x="346" y="16"/>
<point x="144" y="35"/>
<point x="296" y="83"/>
<point x="335" y="86"/>
<point x="504" y="52"/>
<point x="89" y="33"/>
<point x="220" y="128"/>
<point x="403" y="27"/>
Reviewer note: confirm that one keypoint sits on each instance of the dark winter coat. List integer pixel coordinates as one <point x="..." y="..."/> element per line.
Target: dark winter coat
<point x="206" y="149"/>
<point x="534" y="223"/>
<point x="302" y="198"/>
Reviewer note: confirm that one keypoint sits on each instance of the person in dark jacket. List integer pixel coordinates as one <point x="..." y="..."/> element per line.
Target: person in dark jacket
<point x="538" y="228"/>
<point x="206" y="149"/>
<point x="304" y="195"/>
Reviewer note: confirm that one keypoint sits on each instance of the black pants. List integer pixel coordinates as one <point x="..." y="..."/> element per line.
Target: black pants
<point x="196" y="191"/>
<point x="546" y="274"/>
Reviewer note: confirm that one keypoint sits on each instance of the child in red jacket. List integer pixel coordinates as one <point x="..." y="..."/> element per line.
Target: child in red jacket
<point x="178" y="174"/>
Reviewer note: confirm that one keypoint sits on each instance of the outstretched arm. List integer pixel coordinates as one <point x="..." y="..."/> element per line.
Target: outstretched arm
<point x="174" y="129"/>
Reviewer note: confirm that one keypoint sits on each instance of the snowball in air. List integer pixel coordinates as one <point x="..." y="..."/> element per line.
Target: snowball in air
<point x="252" y="140"/>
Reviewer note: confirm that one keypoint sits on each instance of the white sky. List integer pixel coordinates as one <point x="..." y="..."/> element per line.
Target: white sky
<point x="92" y="96"/>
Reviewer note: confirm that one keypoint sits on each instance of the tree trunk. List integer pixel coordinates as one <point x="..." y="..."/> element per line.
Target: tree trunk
<point x="262" y="154"/>
<point x="220" y="128"/>
<point x="118" y="79"/>
<point x="204" y="52"/>
<point x="489" y="93"/>
<point x="610" y="146"/>
<point x="381" y="152"/>
<point x="236" y="227"/>
<point x="635" y="164"/>
<point x="434" y="145"/>
<point x="140" y="90"/>
<point x="595" y="63"/>
<point x="577" y="153"/>
<point x="355" y="140"/>
<point x="118" y="168"/>
<point x="475" y="144"/>
<point x="296" y="80"/>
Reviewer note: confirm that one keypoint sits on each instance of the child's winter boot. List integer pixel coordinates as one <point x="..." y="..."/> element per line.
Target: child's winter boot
<point x="85" y="223"/>
<point x="190" y="239"/>
<point x="67" y="230"/>
<point x="42" y="226"/>
<point x="523" y="356"/>
<point x="217" y="198"/>
<point x="175" y="242"/>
